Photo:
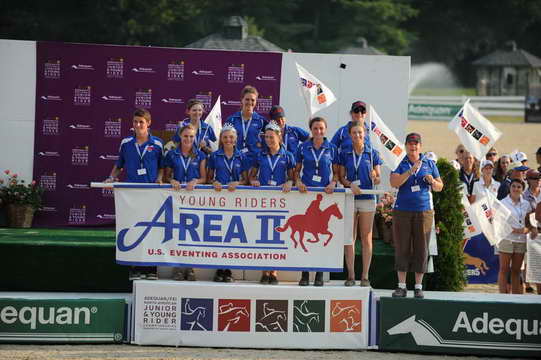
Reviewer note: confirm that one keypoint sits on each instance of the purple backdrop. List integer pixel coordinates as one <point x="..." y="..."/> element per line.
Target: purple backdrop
<point x="85" y="98"/>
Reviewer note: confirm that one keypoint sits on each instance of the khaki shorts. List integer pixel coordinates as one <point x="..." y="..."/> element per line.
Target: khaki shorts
<point x="511" y="247"/>
<point x="368" y="205"/>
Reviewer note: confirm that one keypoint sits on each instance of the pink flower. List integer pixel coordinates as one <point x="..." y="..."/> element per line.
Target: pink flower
<point x="7" y="172"/>
<point x="33" y="182"/>
<point x="14" y="176"/>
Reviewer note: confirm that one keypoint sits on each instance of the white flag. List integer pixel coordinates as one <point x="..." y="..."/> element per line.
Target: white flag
<point x="383" y="140"/>
<point x="475" y="131"/>
<point x="471" y="225"/>
<point x="316" y="95"/>
<point x="492" y="217"/>
<point x="214" y="120"/>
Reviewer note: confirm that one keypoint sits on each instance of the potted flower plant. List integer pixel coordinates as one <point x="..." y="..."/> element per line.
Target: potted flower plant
<point x="384" y="217"/>
<point x="21" y="200"/>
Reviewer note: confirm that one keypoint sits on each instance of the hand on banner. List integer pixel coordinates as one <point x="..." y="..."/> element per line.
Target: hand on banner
<point x="175" y="184"/>
<point x="255" y="183"/>
<point x="302" y="187"/>
<point x="287" y="186"/>
<point x="329" y="189"/>
<point x="191" y="185"/>
<point x="232" y="185"/>
<point x="110" y="179"/>
<point x="355" y="189"/>
<point x="217" y="186"/>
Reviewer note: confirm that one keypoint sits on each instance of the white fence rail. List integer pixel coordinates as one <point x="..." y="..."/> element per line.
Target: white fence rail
<point x="487" y="105"/>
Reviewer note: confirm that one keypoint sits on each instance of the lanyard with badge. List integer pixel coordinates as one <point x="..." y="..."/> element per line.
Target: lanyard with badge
<point x="519" y="212"/>
<point x="230" y="167"/>
<point x="245" y="128"/>
<point x="272" y="167"/>
<point x="469" y="181"/>
<point x="141" y="171"/>
<point x="356" y="165"/>
<point x="416" y="187"/>
<point x="317" y="177"/>
<point x="286" y="137"/>
<point x="185" y="165"/>
<point x="199" y="138"/>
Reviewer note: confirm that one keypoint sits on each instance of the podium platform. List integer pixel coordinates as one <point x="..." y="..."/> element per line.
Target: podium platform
<point x="460" y="323"/>
<point x="246" y="314"/>
<point x="75" y="260"/>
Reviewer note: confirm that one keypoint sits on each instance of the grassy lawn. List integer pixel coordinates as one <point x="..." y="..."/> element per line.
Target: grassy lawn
<point x="506" y="119"/>
<point x="444" y="92"/>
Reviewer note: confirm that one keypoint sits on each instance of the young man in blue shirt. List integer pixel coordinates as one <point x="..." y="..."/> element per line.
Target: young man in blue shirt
<point x="141" y="155"/>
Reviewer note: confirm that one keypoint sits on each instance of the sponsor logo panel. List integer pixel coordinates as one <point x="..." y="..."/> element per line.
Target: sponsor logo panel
<point x="196" y="314"/>
<point x="233" y="315"/>
<point x="271" y="316"/>
<point x="115" y="68"/>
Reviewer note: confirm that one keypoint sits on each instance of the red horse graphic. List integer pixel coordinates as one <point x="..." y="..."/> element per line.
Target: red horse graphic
<point x="313" y="221"/>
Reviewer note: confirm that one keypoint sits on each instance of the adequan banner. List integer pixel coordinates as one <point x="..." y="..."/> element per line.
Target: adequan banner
<point x="62" y="320"/>
<point x="251" y="315"/>
<point x="250" y="228"/>
<point x="461" y="327"/>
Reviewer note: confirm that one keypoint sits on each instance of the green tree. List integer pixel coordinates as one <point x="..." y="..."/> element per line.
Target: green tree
<point x="449" y="264"/>
<point x="301" y="25"/>
<point x="457" y="32"/>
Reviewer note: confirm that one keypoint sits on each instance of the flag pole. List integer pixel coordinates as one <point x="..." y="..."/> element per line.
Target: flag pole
<point x="371" y="152"/>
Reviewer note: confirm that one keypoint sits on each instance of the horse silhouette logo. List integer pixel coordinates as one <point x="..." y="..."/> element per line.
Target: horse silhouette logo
<point x="233" y="315"/>
<point x="271" y="316"/>
<point x="309" y="316"/>
<point x="346" y="316"/>
<point x="196" y="314"/>
<point x="314" y="221"/>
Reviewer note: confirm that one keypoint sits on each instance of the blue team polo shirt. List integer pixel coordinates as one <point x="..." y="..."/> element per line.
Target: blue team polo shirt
<point x="253" y="136"/>
<point x="293" y="136"/>
<point x="407" y="200"/>
<point x="174" y="160"/>
<point x="284" y="161"/>
<point x="217" y="162"/>
<point x="342" y="139"/>
<point x="204" y="132"/>
<point x="363" y="170"/>
<point x="305" y="157"/>
<point x="151" y="160"/>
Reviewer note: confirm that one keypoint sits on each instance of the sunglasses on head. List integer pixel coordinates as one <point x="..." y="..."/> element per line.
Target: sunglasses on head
<point x="359" y="110"/>
<point x="492" y="154"/>
<point x="461" y="151"/>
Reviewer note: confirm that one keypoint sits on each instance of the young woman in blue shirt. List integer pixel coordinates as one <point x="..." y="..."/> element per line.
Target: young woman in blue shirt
<point x="360" y="169"/>
<point x="273" y="166"/>
<point x="185" y="165"/>
<point x="204" y="133"/>
<point x="317" y="160"/>
<point x="227" y="167"/>
<point x="248" y="123"/>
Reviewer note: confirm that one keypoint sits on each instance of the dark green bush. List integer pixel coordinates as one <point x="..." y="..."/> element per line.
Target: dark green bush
<point x="449" y="264"/>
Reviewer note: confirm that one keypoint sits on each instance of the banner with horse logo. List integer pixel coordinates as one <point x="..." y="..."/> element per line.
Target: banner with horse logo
<point x="185" y="313"/>
<point x="250" y="228"/>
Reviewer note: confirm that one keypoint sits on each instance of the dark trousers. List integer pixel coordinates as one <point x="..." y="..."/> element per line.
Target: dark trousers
<point x="411" y="230"/>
